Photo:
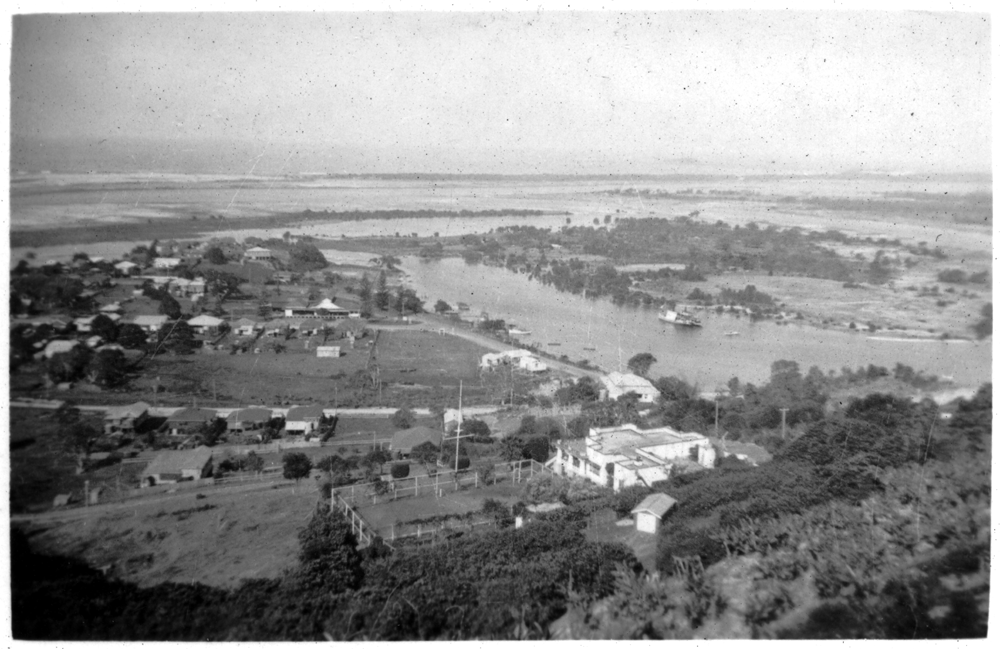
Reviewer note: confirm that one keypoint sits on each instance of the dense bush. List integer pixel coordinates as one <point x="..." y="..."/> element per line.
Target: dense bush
<point x="400" y="470"/>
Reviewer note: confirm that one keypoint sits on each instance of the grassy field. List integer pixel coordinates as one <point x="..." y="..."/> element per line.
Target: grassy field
<point x="42" y="467"/>
<point x="218" y="540"/>
<point x="414" y="366"/>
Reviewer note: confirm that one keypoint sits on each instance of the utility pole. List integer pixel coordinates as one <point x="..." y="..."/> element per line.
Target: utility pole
<point x="783" y="411"/>
<point x="458" y="431"/>
<point x="716" y="414"/>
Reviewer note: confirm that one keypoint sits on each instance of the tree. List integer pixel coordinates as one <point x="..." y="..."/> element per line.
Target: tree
<point x="169" y="306"/>
<point x="80" y="438"/>
<point x="376" y="458"/>
<point x="296" y="466"/>
<point x="984" y="328"/>
<point x="108" y="368"/>
<point x="512" y="448"/>
<point x="479" y="430"/>
<point x="426" y="453"/>
<point x="382" y="292"/>
<point x="640" y="363"/>
<point x="328" y="555"/>
<point x="403" y="418"/>
<point x="68" y="366"/>
<point x="104" y="327"/>
<point x="365" y="288"/>
<point x="306" y="256"/>
<point x="442" y="307"/>
<point x="214" y="255"/>
<point x="131" y="336"/>
<point x="254" y="462"/>
<point x="213" y="431"/>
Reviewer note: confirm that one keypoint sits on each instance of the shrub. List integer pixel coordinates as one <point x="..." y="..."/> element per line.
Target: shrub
<point x="400" y="470"/>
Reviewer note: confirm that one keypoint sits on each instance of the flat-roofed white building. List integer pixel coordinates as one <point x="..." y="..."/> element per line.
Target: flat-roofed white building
<point x="622" y="456"/>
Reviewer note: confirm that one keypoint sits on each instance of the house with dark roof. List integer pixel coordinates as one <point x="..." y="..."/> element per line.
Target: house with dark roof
<point x="303" y="419"/>
<point x="189" y="420"/>
<point x="125" y="419"/>
<point x="246" y="419"/>
<point x="404" y="441"/>
<point x="170" y="467"/>
<point x="650" y="512"/>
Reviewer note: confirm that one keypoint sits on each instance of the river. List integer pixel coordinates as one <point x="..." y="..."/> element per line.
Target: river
<point x="608" y="335"/>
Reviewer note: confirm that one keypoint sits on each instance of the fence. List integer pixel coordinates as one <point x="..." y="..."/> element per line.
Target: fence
<point x="362" y="530"/>
<point x="373" y="493"/>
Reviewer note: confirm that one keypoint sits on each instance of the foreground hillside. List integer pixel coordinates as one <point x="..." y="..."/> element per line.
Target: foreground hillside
<point x="874" y="523"/>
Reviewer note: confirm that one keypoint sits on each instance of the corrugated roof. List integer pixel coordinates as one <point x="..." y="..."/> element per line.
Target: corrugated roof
<point x="178" y="461"/>
<point x="301" y="413"/>
<point x="191" y="415"/>
<point x="135" y="410"/>
<point x="249" y="414"/>
<point x="656" y="504"/>
<point x="407" y="439"/>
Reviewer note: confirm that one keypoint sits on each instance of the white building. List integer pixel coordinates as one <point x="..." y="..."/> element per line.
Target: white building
<point x="166" y="262"/>
<point x="623" y="456"/>
<point x="618" y="384"/>
<point x="520" y="358"/>
<point x="258" y="253"/>
<point x="205" y="324"/>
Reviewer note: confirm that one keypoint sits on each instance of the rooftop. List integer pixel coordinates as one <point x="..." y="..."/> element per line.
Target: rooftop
<point x="177" y="461"/>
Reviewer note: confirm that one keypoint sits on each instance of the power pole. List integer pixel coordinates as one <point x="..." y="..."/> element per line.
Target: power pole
<point x="783" y="411"/>
<point x="716" y="414"/>
<point x="458" y="431"/>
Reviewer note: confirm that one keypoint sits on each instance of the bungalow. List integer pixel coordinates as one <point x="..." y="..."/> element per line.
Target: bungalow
<point x="245" y="327"/>
<point x="150" y="323"/>
<point x="404" y="441"/>
<point x="246" y="419"/>
<point x="257" y="253"/>
<point x="205" y="324"/>
<point x="189" y="420"/>
<point x="176" y="466"/>
<point x="125" y="419"/>
<point x="650" y="512"/>
<point x="618" y="384"/>
<point x="108" y="309"/>
<point x="166" y="262"/>
<point x="303" y="419"/>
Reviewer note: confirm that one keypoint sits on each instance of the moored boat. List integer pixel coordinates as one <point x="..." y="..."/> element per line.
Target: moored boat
<point x="679" y="318"/>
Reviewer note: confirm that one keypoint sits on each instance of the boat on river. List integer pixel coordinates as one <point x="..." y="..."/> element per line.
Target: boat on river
<point x="514" y="331"/>
<point x="679" y="318"/>
<point x="732" y="333"/>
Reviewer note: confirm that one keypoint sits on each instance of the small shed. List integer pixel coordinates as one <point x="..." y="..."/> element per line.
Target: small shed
<point x="650" y="512"/>
<point x="328" y="351"/>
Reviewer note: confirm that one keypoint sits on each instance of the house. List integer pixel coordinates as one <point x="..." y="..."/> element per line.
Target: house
<point x="205" y="324"/>
<point x="404" y="441"/>
<point x="245" y="419"/>
<point x="59" y="347"/>
<point x="189" y="420"/>
<point x="303" y="419"/>
<point x="650" y="512"/>
<point x="618" y="384"/>
<point x="532" y="364"/>
<point x="517" y="357"/>
<point x="150" y="323"/>
<point x="125" y="419"/>
<point x="452" y="419"/>
<point x="310" y="327"/>
<point x="622" y="456"/>
<point x="275" y="328"/>
<point x="257" y="254"/>
<point x="196" y="287"/>
<point x="126" y="268"/>
<point x="245" y="327"/>
<point x="170" y="467"/>
<point x="166" y="262"/>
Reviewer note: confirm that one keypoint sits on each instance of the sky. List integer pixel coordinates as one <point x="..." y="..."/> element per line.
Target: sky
<point x="531" y="92"/>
